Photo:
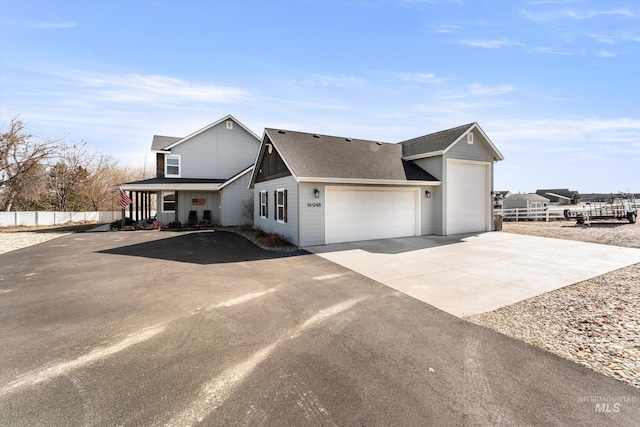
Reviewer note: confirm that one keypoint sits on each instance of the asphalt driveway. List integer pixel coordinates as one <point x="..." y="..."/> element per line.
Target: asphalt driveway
<point x="150" y="328"/>
<point x="475" y="273"/>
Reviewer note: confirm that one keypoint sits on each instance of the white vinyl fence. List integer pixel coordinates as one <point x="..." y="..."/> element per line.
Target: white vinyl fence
<point x="12" y="219"/>
<point x="525" y="214"/>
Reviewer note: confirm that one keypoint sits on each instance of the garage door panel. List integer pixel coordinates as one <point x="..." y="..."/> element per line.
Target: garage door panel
<point x="467" y="190"/>
<point x="354" y="215"/>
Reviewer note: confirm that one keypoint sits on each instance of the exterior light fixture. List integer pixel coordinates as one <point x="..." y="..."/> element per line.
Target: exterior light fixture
<point x="316" y="193"/>
<point x="427" y="193"/>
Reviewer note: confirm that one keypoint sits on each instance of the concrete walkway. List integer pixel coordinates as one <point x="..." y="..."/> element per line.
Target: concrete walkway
<point x="470" y="274"/>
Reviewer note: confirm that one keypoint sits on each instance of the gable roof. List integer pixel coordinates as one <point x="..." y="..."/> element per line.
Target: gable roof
<point x="159" y="142"/>
<point x="312" y="157"/>
<point x="440" y="142"/>
<point x="531" y="197"/>
<point x="198" y="132"/>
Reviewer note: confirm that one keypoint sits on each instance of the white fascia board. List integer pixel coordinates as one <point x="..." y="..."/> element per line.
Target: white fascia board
<point x="161" y="151"/>
<point x="423" y="155"/>
<point x="498" y="154"/>
<point x="170" y="187"/>
<point x="369" y="181"/>
<point x="229" y="181"/>
<point x="198" y="132"/>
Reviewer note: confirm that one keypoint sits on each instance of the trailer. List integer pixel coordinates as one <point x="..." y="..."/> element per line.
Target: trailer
<point x="623" y="207"/>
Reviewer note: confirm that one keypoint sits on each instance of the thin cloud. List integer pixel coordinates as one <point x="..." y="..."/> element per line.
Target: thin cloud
<point x="485" y="90"/>
<point x="157" y="89"/>
<point x="604" y="54"/>
<point x="553" y="51"/>
<point x="445" y="29"/>
<point x="56" y="25"/>
<point x="489" y="44"/>
<point x="574" y="14"/>
<point x="422" y="78"/>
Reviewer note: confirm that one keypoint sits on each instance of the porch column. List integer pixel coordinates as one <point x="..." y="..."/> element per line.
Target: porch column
<point x="131" y="205"/>
<point x="175" y="209"/>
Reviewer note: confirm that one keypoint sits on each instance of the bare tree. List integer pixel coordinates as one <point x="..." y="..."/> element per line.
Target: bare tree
<point x="22" y="160"/>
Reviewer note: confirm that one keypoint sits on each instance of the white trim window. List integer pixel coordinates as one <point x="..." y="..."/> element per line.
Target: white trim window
<point x="172" y="166"/>
<point x="168" y="202"/>
<point x="264" y="204"/>
<point x="281" y="205"/>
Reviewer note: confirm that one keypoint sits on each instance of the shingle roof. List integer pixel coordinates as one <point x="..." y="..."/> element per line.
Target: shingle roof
<point x="179" y="181"/>
<point x="433" y="142"/>
<point x="323" y="156"/>
<point x="159" y="141"/>
<point x="531" y="197"/>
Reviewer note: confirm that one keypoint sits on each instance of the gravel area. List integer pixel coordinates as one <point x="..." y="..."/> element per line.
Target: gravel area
<point x="18" y="240"/>
<point x="595" y="323"/>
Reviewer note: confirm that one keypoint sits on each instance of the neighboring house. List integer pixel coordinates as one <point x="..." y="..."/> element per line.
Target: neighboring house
<point x="526" y="201"/>
<point x="498" y="198"/>
<point x="202" y="176"/>
<point x="561" y="196"/>
<point x="317" y="189"/>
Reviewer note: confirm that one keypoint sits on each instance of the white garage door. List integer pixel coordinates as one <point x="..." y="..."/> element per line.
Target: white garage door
<point x="365" y="214"/>
<point x="467" y="197"/>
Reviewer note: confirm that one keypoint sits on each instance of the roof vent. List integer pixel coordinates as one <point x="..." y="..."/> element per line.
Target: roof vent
<point x="378" y="143"/>
<point x="348" y="139"/>
<point x="316" y="135"/>
<point x="281" y="131"/>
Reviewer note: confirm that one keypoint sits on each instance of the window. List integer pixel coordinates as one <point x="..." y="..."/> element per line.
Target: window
<point x="264" y="204"/>
<point x="172" y="166"/>
<point x="169" y="202"/>
<point x="281" y="205"/>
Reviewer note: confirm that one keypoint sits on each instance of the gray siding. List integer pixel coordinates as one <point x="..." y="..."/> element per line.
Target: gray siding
<point x="478" y="151"/>
<point x="288" y="229"/>
<point x="234" y="197"/>
<point x="432" y="213"/>
<point x="212" y="203"/>
<point x="217" y="152"/>
<point x="514" y="202"/>
<point x="312" y="218"/>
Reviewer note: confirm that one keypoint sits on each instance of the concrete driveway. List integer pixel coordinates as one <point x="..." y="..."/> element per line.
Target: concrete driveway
<point x="476" y="273"/>
<point x="204" y="328"/>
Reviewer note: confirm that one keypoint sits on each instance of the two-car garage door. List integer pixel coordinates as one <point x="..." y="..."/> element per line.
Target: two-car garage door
<point x="354" y="214"/>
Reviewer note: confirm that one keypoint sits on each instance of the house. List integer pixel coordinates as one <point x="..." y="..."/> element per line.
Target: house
<point x="526" y="201"/>
<point x="204" y="175"/>
<point x="499" y="196"/>
<point x="318" y="189"/>
<point x="561" y="196"/>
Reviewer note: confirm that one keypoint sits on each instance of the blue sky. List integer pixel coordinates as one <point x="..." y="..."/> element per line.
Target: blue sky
<point x="554" y="84"/>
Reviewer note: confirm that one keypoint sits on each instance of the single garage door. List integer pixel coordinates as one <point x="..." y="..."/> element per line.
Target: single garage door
<point x="365" y="214"/>
<point x="467" y="197"/>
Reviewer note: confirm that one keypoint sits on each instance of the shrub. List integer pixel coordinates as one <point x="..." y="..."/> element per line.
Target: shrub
<point x="115" y="225"/>
<point x="244" y="227"/>
<point x="275" y="240"/>
<point x="259" y="232"/>
<point x="174" y="224"/>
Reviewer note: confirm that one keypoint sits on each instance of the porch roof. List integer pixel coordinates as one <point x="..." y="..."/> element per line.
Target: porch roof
<point x="174" y="184"/>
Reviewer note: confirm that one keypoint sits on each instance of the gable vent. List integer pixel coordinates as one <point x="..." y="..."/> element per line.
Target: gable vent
<point x="229" y="124"/>
<point x="469" y="138"/>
